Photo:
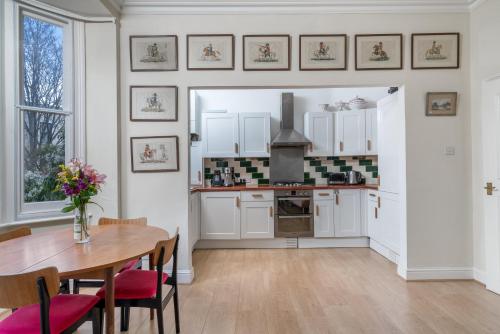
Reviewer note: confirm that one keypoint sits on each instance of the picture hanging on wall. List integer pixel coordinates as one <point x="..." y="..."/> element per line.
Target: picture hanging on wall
<point x="266" y="52"/>
<point x="153" y="53"/>
<point x="379" y="52"/>
<point x="153" y="103"/>
<point x="210" y="52"/>
<point x="154" y="154"/>
<point x="435" y="51"/>
<point x="441" y="104"/>
<point x="323" y="52"/>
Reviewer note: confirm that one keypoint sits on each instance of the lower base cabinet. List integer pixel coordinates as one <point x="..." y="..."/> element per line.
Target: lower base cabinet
<point x="257" y="220"/>
<point x="347" y="213"/>
<point x="323" y="219"/>
<point x="220" y="215"/>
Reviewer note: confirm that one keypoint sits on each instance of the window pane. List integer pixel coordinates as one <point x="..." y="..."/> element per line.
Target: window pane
<point x="42" y="63"/>
<point x="44" y="151"/>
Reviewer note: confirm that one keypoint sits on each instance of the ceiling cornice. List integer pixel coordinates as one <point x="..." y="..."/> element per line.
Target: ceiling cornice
<point x="295" y="7"/>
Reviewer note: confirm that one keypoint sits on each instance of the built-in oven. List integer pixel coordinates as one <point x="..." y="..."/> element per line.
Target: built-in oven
<point x="294" y="213"/>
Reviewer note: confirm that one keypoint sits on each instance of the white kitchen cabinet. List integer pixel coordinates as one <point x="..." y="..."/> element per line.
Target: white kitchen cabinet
<point x="374" y="226"/>
<point x="371" y="132"/>
<point x="196" y="163"/>
<point x="350" y="133"/>
<point x="347" y="213"/>
<point x="194" y="219"/>
<point x="389" y="215"/>
<point x="220" y="135"/>
<point x="257" y="220"/>
<point x="220" y="215"/>
<point x="323" y="219"/>
<point x="255" y="134"/>
<point x="318" y="128"/>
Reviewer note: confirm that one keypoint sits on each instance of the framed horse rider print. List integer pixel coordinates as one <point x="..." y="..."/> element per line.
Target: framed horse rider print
<point x="378" y="52"/>
<point x="435" y="51"/>
<point x="210" y="52"/>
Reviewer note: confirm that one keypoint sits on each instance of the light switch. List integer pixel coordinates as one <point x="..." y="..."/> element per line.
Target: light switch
<point x="449" y="150"/>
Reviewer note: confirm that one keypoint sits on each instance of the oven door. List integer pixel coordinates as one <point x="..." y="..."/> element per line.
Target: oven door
<point x="294" y="226"/>
<point x="294" y="206"/>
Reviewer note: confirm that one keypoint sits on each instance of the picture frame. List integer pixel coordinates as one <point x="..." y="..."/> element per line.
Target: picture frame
<point x="153" y="53"/>
<point x="210" y="52"/>
<point x="323" y="52"/>
<point x="266" y="52"/>
<point x="378" y="52"/>
<point x="441" y="104"/>
<point x="154" y="154"/>
<point x="153" y="103"/>
<point x="435" y="51"/>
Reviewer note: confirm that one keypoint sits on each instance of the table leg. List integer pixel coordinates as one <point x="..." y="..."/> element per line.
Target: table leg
<point x="151" y="267"/>
<point x="110" y="301"/>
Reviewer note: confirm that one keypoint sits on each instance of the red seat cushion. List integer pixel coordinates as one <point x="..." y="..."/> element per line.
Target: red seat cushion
<point x="65" y="310"/>
<point x="130" y="265"/>
<point x="135" y="284"/>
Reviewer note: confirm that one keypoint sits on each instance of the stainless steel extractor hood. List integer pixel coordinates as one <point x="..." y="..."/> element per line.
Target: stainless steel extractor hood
<point x="287" y="136"/>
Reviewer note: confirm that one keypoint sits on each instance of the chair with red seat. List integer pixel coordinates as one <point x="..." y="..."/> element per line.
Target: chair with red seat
<point x="133" y="264"/>
<point x="39" y="309"/>
<point x="143" y="288"/>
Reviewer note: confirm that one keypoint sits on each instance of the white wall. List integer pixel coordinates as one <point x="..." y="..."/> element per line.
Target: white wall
<point x="102" y="112"/>
<point x="485" y="63"/>
<point x="439" y="217"/>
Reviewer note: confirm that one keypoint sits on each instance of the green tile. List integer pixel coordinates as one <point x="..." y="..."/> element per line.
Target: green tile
<point x="314" y="163"/>
<point x="339" y="163"/>
<point x="345" y="168"/>
<point x="375" y="175"/>
<point x="307" y="175"/>
<point x="245" y="164"/>
<point x="321" y="169"/>
<point x="310" y="181"/>
<point x="239" y="159"/>
<point x="265" y="163"/>
<point x="308" y="158"/>
<point x="222" y="164"/>
<point x="237" y="175"/>
<point x="262" y="159"/>
<point x="257" y="175"/>
<point x="207" y="170"/>
<point x="216" y="159"/>
<point x="365" y="162"/>
<point x="209" y="176"/>
<point x="251" y="169"/>
<point x="325" y="175"/>
<point x="262" y="181"/>
<point x="372" y="168"/>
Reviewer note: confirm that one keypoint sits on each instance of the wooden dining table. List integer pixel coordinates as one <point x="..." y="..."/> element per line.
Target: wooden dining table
<point x="109" y="249"/>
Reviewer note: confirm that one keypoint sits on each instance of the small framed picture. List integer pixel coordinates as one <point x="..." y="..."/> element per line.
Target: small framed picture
<point x="154" y="154"/>
<point x="153" y="103"/>
<point x="210" y="52"/>
<point x="266" y="52"/>
<point x="435" y="51"/>
<point x="323" y="52"/>
<point x="153" y="53"/>
<point x="379" y="52"/>
<point x="441" y="104"/>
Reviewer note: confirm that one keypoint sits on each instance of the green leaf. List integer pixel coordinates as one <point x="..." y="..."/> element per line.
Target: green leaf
<point x="68" y="208"/>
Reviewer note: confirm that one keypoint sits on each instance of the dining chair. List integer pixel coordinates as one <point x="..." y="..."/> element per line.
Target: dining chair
<point x="132" y="264"/>
<point x="143" y="288"/>
<point x="39" y="309"/>
<point x="17" y="233"/>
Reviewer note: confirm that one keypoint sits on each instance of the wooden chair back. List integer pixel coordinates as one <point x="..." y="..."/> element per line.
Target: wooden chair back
<point x="168" y="247"/>
<point x="142" y="221"/>
<point x="23" y="289"/>
<point x="17" y="233"/>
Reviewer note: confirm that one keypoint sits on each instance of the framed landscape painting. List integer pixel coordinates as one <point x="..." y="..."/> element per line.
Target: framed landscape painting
<point x="441" y="104"/>
<point x="323" y="52"/>
<point x="153" y="53"/>
<point x="266" y="52"/>
<point x="379" y="52"/>
<point x="153" y="103"/>
<point x="154" y="154"/>
<point x="210" y="52"/>
<point x="435" y="51"/>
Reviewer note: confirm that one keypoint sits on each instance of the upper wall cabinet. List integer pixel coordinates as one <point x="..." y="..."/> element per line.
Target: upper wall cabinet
<point x="318" y="128"/>
<point x="220" y="135"/>
<point x="371" y="132"/>
<point x="255" y="134"/>
<point x="350" y="136"/>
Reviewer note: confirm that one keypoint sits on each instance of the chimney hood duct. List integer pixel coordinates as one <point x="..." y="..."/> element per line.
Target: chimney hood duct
<point x="287" y="136"/>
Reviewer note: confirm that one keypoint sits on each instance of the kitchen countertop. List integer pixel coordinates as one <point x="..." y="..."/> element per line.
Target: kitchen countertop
<point x="271" y="187"/>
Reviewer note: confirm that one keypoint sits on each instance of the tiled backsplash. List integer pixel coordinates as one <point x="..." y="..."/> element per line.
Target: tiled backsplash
<point x="256" y="170"/>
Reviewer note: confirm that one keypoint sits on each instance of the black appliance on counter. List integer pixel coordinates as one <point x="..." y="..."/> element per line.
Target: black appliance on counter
<point x="217" y="180"/>
<point x="294" y="212"/>
<point x="337" y="178"/>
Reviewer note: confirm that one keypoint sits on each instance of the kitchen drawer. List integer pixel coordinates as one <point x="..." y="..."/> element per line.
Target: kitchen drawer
<point x="257" y="196"/>
<point x="372" y="195"/>
<point x="323" y="194"/>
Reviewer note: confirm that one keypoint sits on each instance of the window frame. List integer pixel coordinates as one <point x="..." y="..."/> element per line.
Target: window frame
<point x="35" y="210"/>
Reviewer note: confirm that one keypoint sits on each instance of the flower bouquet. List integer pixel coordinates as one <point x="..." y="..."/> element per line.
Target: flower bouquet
<point x="79" y="182"/>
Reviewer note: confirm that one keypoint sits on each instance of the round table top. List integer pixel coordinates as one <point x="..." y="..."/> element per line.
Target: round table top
<point x="110" y="245"/>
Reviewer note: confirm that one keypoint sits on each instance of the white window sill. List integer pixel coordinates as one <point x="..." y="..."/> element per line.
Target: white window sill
<point x="32" y="221"/>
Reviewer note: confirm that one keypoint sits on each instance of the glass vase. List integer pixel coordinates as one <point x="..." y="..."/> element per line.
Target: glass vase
<point x="81" y="226"/>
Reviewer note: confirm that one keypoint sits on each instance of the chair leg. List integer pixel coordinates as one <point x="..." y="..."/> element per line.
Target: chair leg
<point x="76" y="287"/>
<point x="124" y="318"/>
<point x="159" y="316"/>
<point x="151" y="314"/>
<point x="96" y="321"/>
<point x="101" y="318"/>
<point x="176" y="311"/>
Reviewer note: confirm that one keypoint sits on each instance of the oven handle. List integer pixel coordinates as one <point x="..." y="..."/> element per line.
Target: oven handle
<point x="292" y="217"/>
<point x="293" y="198"/>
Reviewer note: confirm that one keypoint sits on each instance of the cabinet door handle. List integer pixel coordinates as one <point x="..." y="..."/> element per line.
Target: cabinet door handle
<point x="323" y="194"/>
<point x="271" y="211"/>
<point x="369" y="144"/>
<point x="378" y="202"/>
<point x="310" y="147"/>
<point x="341" y="146"/>
<point x="236" y="148"/>
<point x="257" y="196"/>
<point x="237" y="201"/>
<point x="373" y="195"/>
<point x="337" y="199"/>
<point x="376" y="213"/>
<point x="199" y="176"/>
<point x="268" y="148"/>
<point x="317" y="210"/>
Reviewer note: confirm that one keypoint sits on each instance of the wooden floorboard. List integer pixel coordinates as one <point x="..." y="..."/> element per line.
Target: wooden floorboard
<point x="341" y="290"/>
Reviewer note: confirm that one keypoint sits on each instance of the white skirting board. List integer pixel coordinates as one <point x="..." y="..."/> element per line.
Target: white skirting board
<point x="384" y="251"/>
<point x="184" y="276"/>
<point x="284" y="243"/>
<point x="439" y="273"/>
<point x="480" y="275"/>
<point x="333" y="242"/>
